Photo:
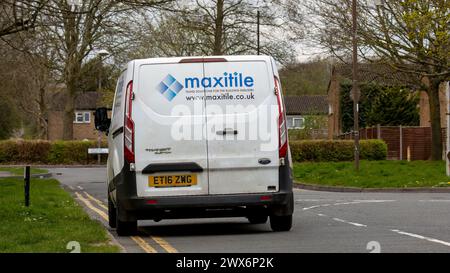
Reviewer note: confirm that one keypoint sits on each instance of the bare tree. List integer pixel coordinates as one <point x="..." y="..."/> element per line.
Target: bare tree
<point x="25" y="79"/>
<point x="410" y="36"/>
<point x="75" y="32"/>
<point x="17" y="16"/>
<point x="217" y="27"/>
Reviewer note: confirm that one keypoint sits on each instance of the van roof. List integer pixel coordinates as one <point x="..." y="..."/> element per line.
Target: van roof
<point x="227" y="57"/>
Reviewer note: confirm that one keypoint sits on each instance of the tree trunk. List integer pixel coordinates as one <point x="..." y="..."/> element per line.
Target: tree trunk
<point x="218" y="31"/>
<point x="42" y="123"/>
<point x="68" y="115"/>
<point x="435" y="118"/>
<point x="71" y="71"/>
<point x="73" y="68"/>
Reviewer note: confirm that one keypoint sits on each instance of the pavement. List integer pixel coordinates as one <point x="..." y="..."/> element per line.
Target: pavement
<point x="5" y="174"/>
<point x="323" y="222"/>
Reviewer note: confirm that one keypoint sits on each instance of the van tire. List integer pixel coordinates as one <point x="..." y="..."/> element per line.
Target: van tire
<point x="111" y="213"/>
<point x="281" y="223"/>
<point x="125" y="228"/>
<point x="257" y="219"/>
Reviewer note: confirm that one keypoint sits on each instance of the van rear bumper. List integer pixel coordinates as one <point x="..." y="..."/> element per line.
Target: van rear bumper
<point x="280" y="203"/>
<point x="133" y="207"/>
<point x="207" y="200"/>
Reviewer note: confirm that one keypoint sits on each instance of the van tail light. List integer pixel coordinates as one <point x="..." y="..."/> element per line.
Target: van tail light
<point x="265" y="198"/>
<point x="128" y="140"/>
<point x="282" y="129"/>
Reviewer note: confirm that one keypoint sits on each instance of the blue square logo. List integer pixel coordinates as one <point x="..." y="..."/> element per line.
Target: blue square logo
<point x="169" y="87"/>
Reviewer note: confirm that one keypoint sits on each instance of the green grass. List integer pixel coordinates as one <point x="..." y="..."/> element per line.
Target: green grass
<point x="52" y="220"/>
<point x="19" y="170"/>
<point x="374" y="174"/>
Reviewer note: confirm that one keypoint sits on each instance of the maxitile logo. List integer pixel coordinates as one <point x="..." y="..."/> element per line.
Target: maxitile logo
<point x="169" y="87"/>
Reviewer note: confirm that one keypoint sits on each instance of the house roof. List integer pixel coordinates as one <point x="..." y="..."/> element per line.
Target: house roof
<point x="306" y="105"/>
<point x="84" y="101"/>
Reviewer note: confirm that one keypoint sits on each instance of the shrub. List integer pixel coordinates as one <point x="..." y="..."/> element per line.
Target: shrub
<point x="33" y="151"/>
<point x="336" y="150"/>
<point x="18" y="151"/>
<point x="373" y="149"/>
<point x="69" y="152"/>
<point x="8" y="151"/>
<point x="40" y="151"/>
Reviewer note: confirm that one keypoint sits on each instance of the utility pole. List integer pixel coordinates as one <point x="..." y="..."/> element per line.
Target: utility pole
<point x="257" y="32"/>
<point x="100" y="54"/>
<point x="355" y="94"/>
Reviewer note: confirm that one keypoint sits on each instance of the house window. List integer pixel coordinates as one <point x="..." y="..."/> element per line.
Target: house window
<point x="295" y="122"/>
<point x="298" y="123"/>
<point x="82" y="117"/>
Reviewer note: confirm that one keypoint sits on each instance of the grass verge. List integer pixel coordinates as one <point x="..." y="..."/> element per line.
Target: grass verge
<point x="50" y="223"/>
<point x="374" y="174"/>
<point x="19" y="170"/>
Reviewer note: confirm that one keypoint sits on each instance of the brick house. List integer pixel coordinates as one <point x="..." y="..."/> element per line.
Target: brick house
<point x="382" y="75"/>
<point x="425" y="107"/>
<point x="83" y="122"/>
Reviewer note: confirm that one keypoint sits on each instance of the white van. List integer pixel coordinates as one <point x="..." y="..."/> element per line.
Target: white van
<point x="193" y="137"/>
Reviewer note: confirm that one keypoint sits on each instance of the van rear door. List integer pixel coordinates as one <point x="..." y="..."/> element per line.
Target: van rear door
<point x="241" y="124"/>
<point x="170" y="147"/>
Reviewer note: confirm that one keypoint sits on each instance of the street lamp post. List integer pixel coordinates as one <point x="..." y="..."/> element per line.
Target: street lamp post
<point x="355" y="85"/>
<point x="100" y="54"/>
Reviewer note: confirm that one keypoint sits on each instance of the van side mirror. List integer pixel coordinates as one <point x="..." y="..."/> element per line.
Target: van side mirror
<point x="102" y="121"/>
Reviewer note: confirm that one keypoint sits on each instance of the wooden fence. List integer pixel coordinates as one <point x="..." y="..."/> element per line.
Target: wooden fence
<point x="403" y="143"/>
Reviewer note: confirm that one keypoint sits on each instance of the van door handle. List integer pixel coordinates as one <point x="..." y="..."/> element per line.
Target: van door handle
<point x="227" y="131"/>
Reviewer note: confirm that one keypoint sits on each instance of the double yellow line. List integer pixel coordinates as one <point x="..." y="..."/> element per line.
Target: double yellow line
<point x="137" y="239"/>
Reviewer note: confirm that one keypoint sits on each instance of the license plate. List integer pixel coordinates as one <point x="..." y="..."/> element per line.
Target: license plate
<point x="179" y="180"/>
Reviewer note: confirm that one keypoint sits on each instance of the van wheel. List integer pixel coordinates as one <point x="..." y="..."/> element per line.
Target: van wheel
<point x="125" y="228"/>
<point x="257" y="219"/>
<point x="281" y="223"/>
<point x="111" y="213"/>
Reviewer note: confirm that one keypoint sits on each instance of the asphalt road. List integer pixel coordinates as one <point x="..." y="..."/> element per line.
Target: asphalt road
<point x="323" y="222"/>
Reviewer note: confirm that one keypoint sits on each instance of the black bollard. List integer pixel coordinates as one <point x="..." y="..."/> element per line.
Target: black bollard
<point x="26" y="176"/>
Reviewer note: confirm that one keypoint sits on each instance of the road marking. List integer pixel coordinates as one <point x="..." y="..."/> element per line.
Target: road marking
<point x="349" y="203"/>
<point x="348" y="222"/>
<point x="362" y="202"/>
<point x="436" y="200"/>
<point x="100" y="203"/>
<point x="317" y="206"/>
<point x="318" y="200"/>
<point x="374" y="201"/>
<point x="79" y="187"/>
<point x="164" y="244"/>
<point x="343" y="221"/>
<point x="421" y="237"/>
<point x="143" y="244"/>
<point x="160" y="241"/>
<point x="89" y="205"/>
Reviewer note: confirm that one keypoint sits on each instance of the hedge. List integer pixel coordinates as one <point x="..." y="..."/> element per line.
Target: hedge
<point x="67" y="152"/>
<point x="12" y="151"/>
<point x="75" y="152"/>
<point x="46" y="152"/>
<point x="336" y="150"/>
